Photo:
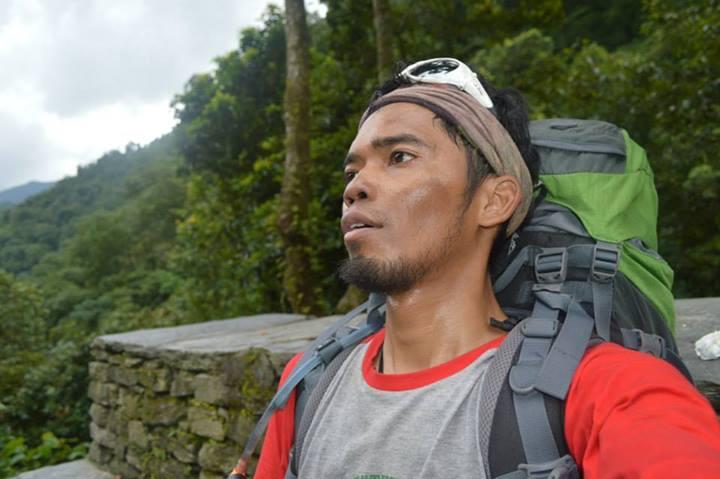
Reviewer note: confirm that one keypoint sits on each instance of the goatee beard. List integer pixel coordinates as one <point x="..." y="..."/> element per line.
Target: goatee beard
<point x="373" y="276"/>
<point x="399" y="275"/>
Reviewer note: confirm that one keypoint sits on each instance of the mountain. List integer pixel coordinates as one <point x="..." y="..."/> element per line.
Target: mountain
<point x="42" y="223"/>
<point x="18" y="194"/>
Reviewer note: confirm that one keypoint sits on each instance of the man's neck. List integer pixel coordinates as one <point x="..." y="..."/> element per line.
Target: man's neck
<point x="438" y="320"/>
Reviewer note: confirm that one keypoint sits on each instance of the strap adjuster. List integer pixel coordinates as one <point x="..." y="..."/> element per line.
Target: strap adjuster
<point x="551" y="265"/>
<point x="328" y="350"/>
<point x="604" y="262"/>
<point x="645" y="342"/>
<point x="540" y="328"/>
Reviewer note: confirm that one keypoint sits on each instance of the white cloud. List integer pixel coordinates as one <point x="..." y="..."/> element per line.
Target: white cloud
<point x="81" y="77"/>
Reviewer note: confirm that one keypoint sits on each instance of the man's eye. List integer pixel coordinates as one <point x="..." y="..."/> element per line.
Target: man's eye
<point x="349" y="175"/>
<point x="401" y="157"/>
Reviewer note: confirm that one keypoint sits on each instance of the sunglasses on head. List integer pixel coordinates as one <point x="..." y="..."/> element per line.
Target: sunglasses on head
<point x="448" y="71"/>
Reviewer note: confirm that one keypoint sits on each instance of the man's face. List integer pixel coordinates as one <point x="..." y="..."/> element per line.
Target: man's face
<point x="404" y="214"/>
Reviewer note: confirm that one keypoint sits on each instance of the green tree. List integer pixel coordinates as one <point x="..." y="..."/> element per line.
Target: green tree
<point x="295" y="193"/>
<point x="22" y="317"/>
<point x="383" y="40"/>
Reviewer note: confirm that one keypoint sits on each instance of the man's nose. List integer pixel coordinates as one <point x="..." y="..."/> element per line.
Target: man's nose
<point x="361" y="187"/>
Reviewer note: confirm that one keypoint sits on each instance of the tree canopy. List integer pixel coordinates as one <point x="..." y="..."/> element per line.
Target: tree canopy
<point x="185" y="229"/>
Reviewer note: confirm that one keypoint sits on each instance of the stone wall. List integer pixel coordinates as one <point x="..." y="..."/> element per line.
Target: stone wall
<point x="180" y="402"/>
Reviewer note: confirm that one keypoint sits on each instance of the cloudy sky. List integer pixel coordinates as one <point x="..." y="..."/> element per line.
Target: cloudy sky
<point x="81" y="77"/>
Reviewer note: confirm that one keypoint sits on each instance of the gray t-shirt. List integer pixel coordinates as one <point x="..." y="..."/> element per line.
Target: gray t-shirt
<point x="401" y="426"/>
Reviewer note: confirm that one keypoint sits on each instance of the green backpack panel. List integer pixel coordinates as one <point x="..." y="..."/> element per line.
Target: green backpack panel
<point x="598" y="172"/>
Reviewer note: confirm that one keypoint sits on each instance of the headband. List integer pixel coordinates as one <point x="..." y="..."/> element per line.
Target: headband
<point x="478" y="126"/>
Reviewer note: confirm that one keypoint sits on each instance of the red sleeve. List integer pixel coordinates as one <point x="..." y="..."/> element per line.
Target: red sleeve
<point x="273" y="461"/>
<point x="630" y="415"/>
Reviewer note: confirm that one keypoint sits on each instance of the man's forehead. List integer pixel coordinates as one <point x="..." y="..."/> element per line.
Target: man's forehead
<point x="396" y="120"/>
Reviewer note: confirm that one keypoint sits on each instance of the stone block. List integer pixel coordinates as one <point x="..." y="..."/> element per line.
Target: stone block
<point x="124" y="376"/>
<point x="210" y="389"/>
<point x="132" y="361"/>
<point x="257" y="383"/>
<point x="115" y="356"/>
<point x="240" y="427"/>
<point x="163" y="411"/>
<point x="218" y="457"/>
<point x="182" y="384"/>
<point x="172" y="468"/>
<point x="134" y="460"/>
<point x="211" y="475"/>
<point x="195" y="363"/>
<point x="103" y="393"/>
<point x="128" y="403"/>
<point x="206" y="422"/>
<point x="99" y="414"/>
<point x="120" y="449"/>
<point x="279" y="360"/>
<point x="157" y="380"/>
<point x="99" y="455"/>
<point x="103" y="436"/>
<point x="183" y="426"/>
<point x="99" y="371"/>
<point x="157" y="464"/>
<point x="123" y="469"/>
<point x="137" y="435"/>
<point x="116" y="423"/>
<point x="183" y="447"/>
<point x="99" y="354"/>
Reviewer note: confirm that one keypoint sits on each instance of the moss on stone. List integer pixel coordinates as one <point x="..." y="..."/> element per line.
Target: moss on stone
<point x="161" y="411"/>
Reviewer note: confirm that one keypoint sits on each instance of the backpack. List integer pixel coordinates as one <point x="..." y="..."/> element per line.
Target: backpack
<point x="582" y="269"/>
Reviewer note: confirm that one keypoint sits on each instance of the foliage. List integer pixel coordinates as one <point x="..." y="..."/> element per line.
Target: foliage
<point x="109" y="271"/>
<point x="650" y="87"/>
<point x="23" y="338"/>
<point x="185" y="229"/>
<point x="16" y="456"/>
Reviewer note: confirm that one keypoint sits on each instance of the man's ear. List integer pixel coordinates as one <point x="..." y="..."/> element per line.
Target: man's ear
<point x="500" y="196"/>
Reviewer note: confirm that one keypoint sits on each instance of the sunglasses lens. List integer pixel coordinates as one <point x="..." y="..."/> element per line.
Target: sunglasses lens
<point x="434" y="67"/>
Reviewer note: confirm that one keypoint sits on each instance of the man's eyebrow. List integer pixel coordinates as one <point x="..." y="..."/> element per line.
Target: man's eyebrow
<point x="386" y="141"/>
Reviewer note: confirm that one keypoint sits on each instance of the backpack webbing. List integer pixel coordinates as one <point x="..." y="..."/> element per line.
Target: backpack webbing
<point x="308" y="413"/>
<point x="495" y="377"/>
<point x="320" y="353"/>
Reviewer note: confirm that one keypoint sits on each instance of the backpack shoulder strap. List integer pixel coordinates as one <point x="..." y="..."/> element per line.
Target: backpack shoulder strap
<point x="320" y="353"/>
<point x="497" y="374"/>
<point x="305" y="414"/>
<point x="541" y="343"/>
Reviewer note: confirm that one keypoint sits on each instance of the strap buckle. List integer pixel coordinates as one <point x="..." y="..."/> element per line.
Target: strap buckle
<point x="561" y="468"/>
<point x="551" y="265"/>
<point x="605" y="260"/>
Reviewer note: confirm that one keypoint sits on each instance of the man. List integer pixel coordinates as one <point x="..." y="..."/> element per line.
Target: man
<point x="437" y="173"/>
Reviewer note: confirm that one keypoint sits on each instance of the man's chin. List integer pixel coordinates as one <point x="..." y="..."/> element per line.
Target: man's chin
<point x="377" y="276"/>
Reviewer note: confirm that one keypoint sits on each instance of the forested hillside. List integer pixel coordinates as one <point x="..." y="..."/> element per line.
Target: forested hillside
<point x="91" y="255"/>
<point x="186" y="228"/>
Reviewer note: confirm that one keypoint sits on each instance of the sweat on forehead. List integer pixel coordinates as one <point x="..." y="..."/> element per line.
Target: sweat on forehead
<point x="479" y="127"/>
